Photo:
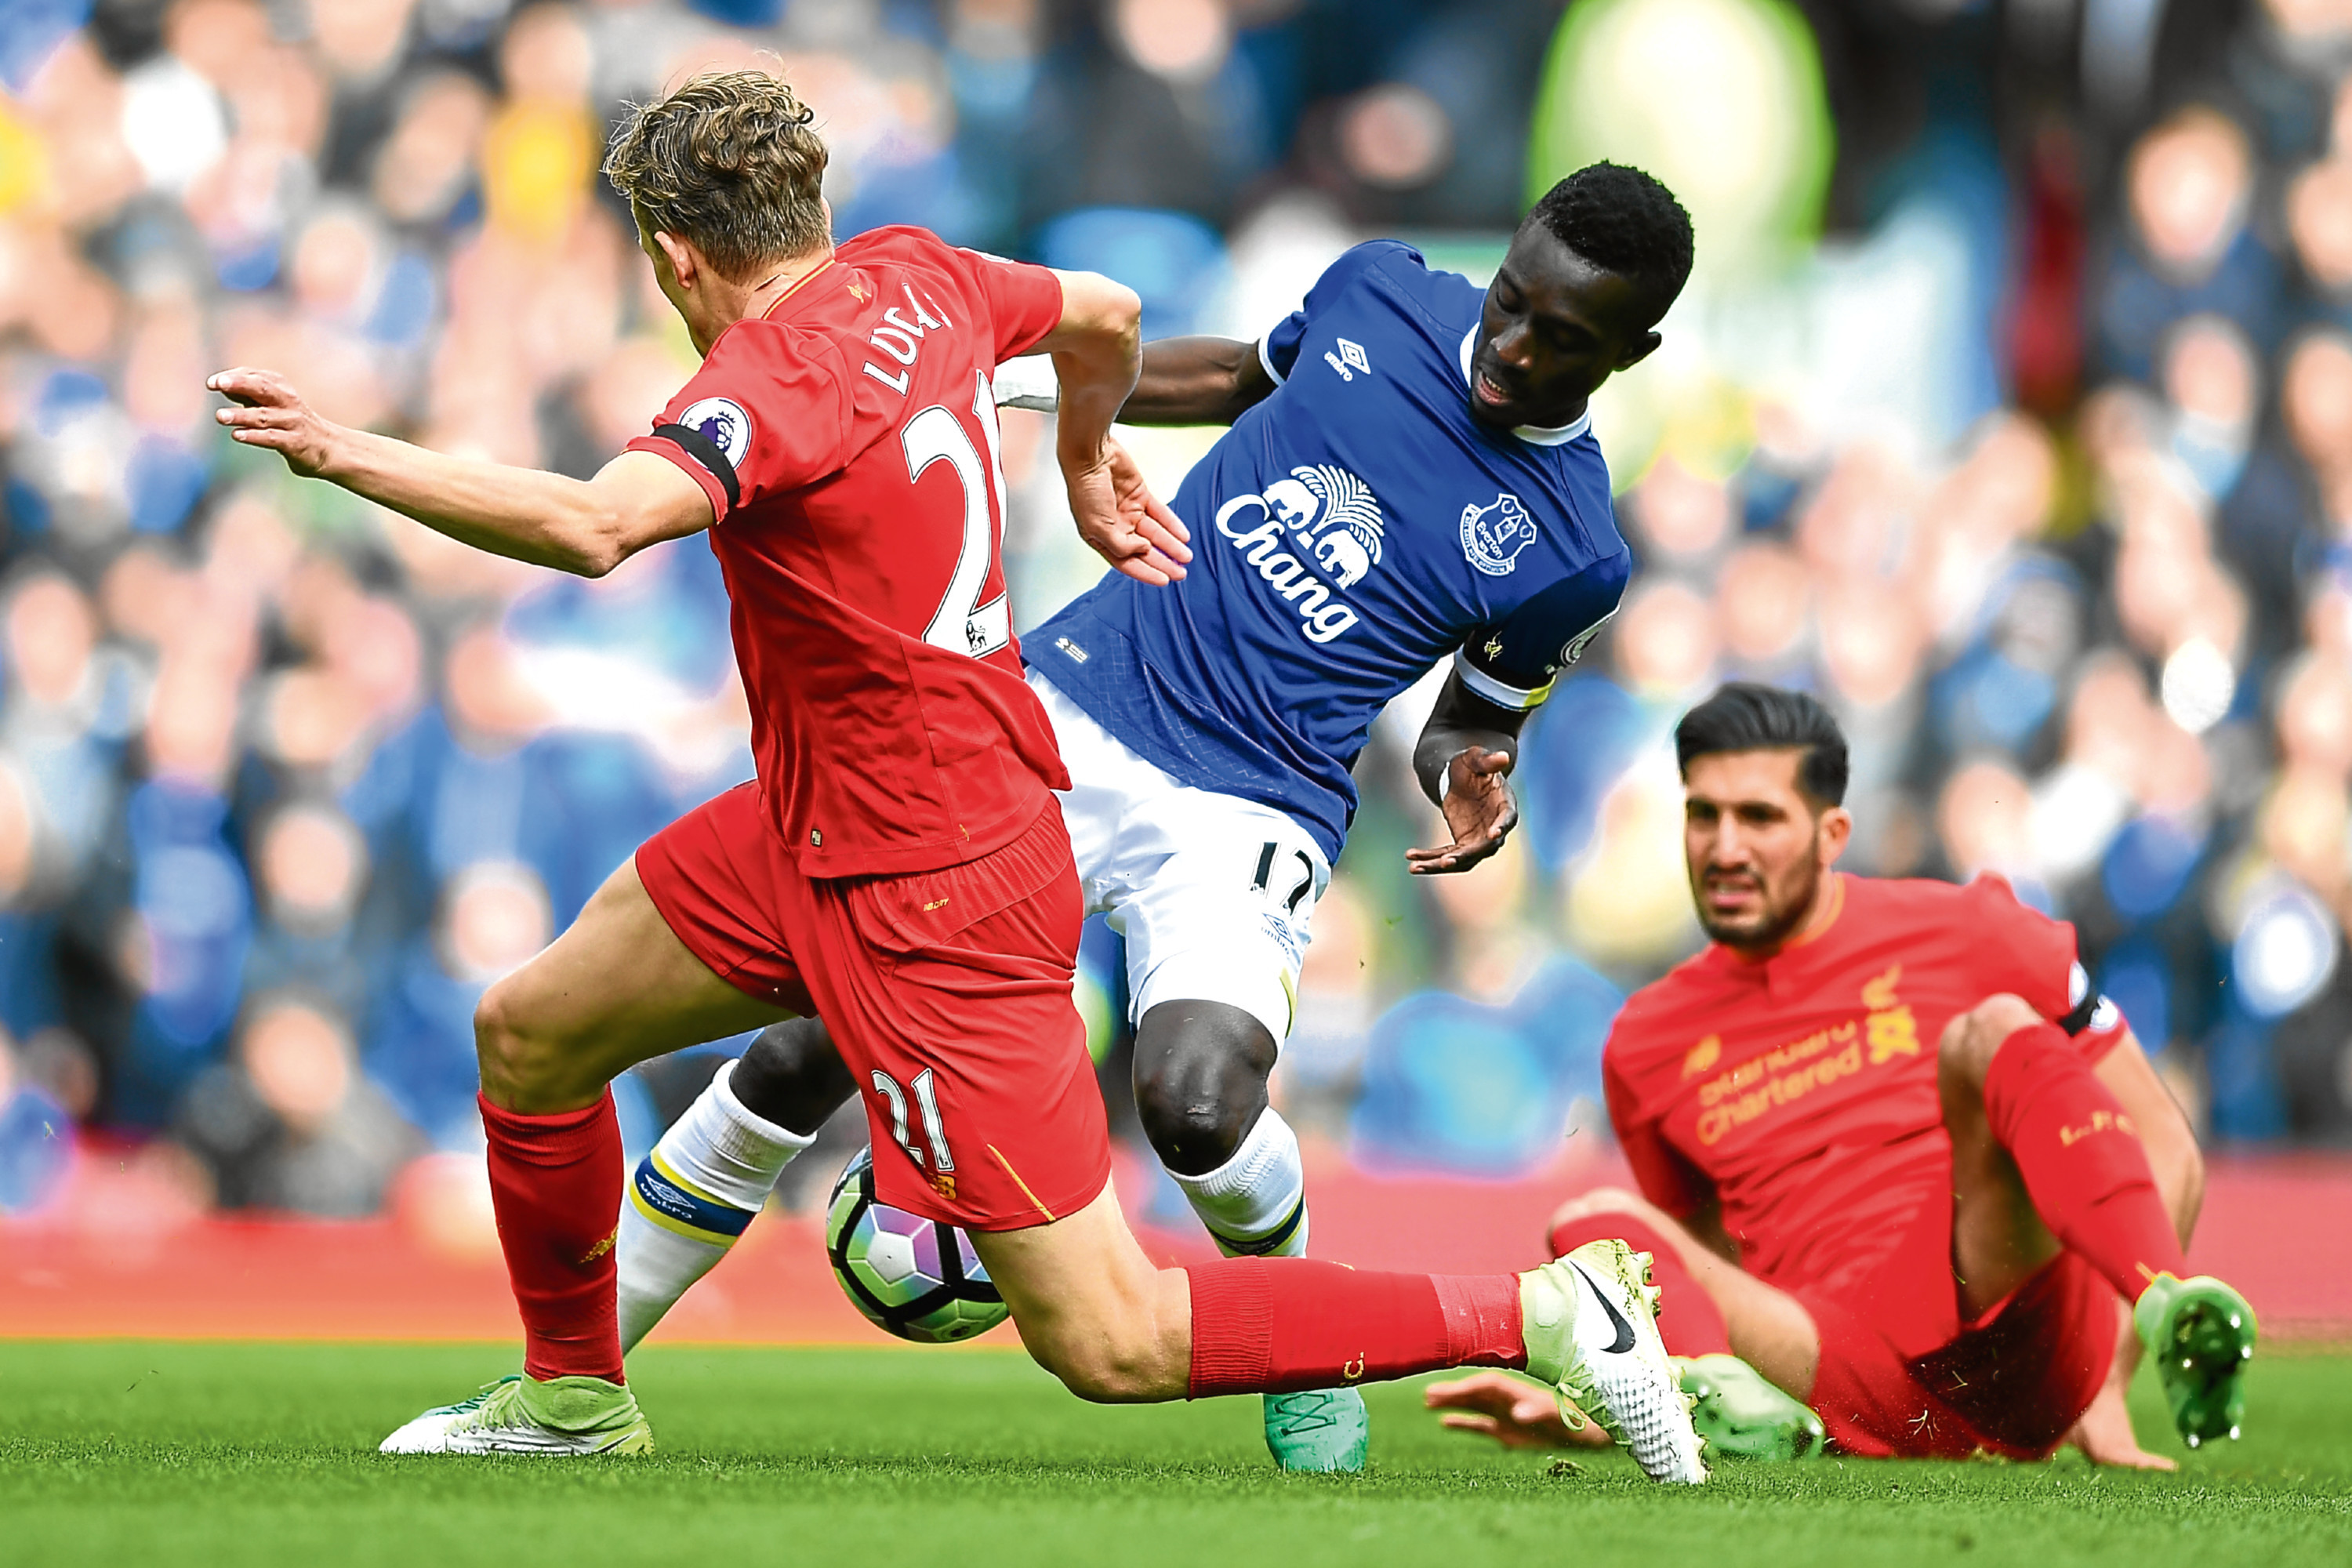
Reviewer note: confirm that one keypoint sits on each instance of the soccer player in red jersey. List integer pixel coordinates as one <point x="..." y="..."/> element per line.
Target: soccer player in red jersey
<point x="1910" y="1159"/>
<point x="900" y="867"/>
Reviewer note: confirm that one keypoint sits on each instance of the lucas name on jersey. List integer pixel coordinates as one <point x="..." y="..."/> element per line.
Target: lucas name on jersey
<point x="899" y="337"/>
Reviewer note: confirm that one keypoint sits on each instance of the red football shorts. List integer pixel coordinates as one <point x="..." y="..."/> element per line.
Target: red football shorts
<point x="1902" y="1374"/>
<point x="947" y="993"/>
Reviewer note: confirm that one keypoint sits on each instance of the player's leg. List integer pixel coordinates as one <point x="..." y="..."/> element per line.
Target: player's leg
<point x="1201" y="1070"/>
<point x="1748" y="1352"/>
<point x="696" y="1192"/>
<point x="1094" y="1310"/>
<point x="618" y="987"/>
<point x="2044" y="1157"/>
<point x="1212" y="895"/>
<point x="949" y="996"/>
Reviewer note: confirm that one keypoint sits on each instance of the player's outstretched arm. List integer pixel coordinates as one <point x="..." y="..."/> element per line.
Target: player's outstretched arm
<point x="1197" y="381"/>
<point x="582" y="526"/>
<point x="1096" y="350"/>
<point x="1464" y="761"/>
<point x="1185" y="381"/>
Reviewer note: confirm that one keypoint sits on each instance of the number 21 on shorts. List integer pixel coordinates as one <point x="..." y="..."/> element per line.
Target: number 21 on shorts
<point x="937" y="1161"/>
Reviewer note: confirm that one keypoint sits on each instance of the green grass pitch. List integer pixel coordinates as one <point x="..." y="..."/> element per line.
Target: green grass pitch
<point x="251" y="1453"/>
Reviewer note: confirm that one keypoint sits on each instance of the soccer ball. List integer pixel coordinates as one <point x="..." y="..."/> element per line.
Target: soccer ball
<point x="915" y="1278"/>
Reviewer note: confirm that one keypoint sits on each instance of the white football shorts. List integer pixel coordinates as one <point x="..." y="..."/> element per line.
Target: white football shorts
<point x="1212" y="893"/>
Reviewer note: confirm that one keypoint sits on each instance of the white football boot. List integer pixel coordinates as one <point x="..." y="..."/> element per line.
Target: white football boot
<point x="562" y="1416"/>
<point x="1590" y="1321"/>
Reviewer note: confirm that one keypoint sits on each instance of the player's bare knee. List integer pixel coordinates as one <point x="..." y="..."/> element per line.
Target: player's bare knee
<point x="1192" y="1127"/>
<point x="519" y="1070"/>
<point x="1092" y="1365"/>
<point x="1199" y="1081"/>
<point x="792" y="1076"/>
<point x="1963" y="1054"/>
<point x="1103" y="1379"/>
<point x="498" y="1046"/>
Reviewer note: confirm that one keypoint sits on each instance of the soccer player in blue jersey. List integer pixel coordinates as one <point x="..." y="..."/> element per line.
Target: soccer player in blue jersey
<point x="1411" y="476"/>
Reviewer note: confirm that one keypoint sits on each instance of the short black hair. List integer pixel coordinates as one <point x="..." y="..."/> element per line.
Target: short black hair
<point x="1744" y="716"/>
<point x="1622" y="221"/>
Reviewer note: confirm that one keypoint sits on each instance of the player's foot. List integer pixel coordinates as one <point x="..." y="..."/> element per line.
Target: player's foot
<point x="1742" y="1414"/>
<point x="523" y="1415"/>
<point x="1323" y="1429"/>
<point x="2200" y="1334"/>
<point x="1590" y="1321"/>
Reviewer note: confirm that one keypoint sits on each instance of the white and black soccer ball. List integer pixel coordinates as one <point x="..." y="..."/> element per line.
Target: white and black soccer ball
<point x="913" y="1277"/>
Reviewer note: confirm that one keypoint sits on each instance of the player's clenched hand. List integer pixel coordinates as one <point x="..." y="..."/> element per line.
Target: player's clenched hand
<point x="1122" y="521"/>
<point x="1479" y="812"/>
<point x="1514" y="1413"/>
<point x="270" y="412"/>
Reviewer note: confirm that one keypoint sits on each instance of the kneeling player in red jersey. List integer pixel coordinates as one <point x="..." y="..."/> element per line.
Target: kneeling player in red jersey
<point x="1907" y="1155"/>
<point x="900" y="866"/>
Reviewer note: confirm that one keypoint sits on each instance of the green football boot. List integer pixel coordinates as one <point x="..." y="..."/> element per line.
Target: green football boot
<point x="1741" y="1413"/>
<point x="1325" y="1429"/>
<point x="2200" y="1334"/>
<point x="563" y="1416"/>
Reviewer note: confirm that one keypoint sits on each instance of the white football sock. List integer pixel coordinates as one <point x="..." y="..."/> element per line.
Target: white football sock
<point x="1255" y="1203"/>
<point x="691" y="1199"/>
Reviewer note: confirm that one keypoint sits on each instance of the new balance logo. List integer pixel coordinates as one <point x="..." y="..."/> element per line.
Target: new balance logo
<point x="1348" y="359"/>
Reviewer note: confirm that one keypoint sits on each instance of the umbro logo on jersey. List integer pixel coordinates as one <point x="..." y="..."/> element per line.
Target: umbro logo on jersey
<point x="1349" y="358"/>
<point x="1494" y="534"/>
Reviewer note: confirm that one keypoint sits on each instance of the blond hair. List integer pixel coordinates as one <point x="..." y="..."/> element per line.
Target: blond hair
<point x="728" y="163"/>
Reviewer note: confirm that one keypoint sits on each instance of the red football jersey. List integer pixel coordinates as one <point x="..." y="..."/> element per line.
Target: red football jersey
<point x="1800" y="1092"/>
<point x="847" y="440"/>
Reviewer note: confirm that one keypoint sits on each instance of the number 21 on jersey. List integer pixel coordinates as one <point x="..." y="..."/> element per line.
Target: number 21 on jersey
<point x="962" y="623"/>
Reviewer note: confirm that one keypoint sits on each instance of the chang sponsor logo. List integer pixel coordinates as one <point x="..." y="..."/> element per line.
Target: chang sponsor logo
<point x="1322" y="517"/>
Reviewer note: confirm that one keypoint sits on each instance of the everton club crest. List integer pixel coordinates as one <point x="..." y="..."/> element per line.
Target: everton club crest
<point x="1493" y="535"/>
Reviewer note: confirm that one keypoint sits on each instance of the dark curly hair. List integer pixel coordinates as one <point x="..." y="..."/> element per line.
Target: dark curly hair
<point x="1622" y="221"/>
<point x="729" y="162"/>
<point x="1745" y="716"/>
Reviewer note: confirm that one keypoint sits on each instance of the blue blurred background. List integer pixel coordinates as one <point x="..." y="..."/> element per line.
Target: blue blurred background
<point x="2009" y="411"/>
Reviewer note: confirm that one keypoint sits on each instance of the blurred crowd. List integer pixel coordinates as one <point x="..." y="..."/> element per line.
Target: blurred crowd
<point x="286" y="780"/>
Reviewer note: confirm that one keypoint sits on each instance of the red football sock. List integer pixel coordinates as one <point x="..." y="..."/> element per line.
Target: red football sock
<point x="1687" y="1317"/>
<point x="2081" y="1158"/>
<point x="555" y="1185"/>
<point x="1277" y="1325"/>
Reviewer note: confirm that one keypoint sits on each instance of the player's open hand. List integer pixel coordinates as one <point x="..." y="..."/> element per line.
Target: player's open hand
<point x="1122" y="521"/>
<point x="1479" y="812"/>
<point x="2105" y="1432"/>
<point x="1515" y="1413"/>
<point x="269" y="413"/>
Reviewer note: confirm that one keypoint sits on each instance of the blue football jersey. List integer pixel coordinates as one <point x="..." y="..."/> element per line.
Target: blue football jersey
<point x="1350" y="532"/>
